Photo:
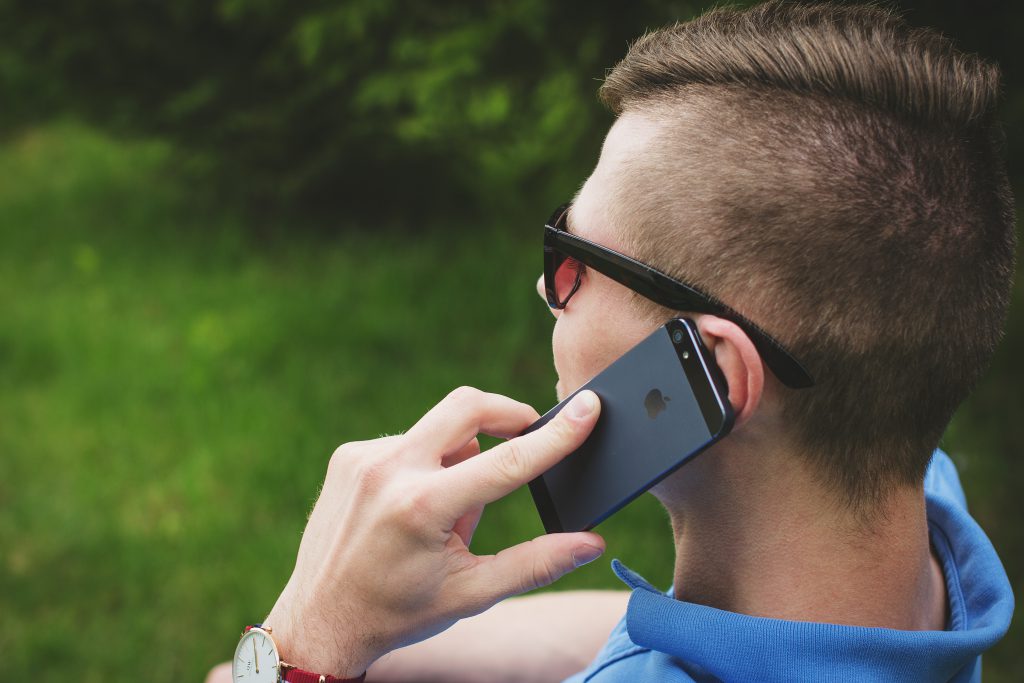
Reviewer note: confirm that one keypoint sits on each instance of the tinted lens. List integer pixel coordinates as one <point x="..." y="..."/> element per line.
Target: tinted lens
<point x="567" y="277"/>
<point x="561" y="272"/>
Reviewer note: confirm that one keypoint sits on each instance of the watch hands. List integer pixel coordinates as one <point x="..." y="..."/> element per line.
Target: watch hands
<point x="256" y="655"/>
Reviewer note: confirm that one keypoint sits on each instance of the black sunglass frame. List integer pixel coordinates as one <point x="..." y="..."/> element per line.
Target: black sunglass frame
<point x="660" y="288"/>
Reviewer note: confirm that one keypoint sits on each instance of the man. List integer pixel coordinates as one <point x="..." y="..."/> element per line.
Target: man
<point x="833" y="176"/>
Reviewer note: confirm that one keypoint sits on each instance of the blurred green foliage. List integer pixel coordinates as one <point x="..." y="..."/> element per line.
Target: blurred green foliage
<point x="171" y="390"/>
<point x="235" y="234"/>
<point x="379" y="107"/>
<point x="384" y="109"/>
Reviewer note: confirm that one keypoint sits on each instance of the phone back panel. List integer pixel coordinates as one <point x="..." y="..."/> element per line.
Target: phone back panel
<point x="661" y="404"/>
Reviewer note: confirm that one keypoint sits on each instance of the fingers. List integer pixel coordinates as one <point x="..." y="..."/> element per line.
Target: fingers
<point x="463" y="414"/>
<point x="533" y="564"/>
<point x="466" y="525"/>
<point x="507" y="466"/>
<point x="465" y="453"/>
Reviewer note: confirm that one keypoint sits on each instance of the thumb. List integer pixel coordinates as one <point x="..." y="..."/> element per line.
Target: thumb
<point x="535" y="563"/>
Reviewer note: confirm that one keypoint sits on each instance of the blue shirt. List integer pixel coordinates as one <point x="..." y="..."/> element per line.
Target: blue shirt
<point x="664" y="639"/>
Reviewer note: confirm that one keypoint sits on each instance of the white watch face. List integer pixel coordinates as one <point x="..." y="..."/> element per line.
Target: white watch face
<point x="256" y="659"/>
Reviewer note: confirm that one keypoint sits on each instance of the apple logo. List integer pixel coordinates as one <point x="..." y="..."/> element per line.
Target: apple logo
<point x="655" y="403"/>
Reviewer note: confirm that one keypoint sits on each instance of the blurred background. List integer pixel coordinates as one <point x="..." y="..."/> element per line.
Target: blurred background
<point x="235" y="234"/>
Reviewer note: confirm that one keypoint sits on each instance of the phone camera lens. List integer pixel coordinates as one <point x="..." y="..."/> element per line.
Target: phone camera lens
<point x="677" y="336"/>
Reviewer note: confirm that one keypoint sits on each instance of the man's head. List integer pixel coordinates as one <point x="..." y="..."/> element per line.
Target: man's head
<point x="833" y="175"/>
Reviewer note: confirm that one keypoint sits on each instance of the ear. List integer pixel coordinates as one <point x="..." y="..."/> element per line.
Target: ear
<point x="739" y="361"/>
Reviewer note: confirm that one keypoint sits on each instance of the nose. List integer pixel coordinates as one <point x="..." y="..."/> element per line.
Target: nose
<point x="543" y="296"/>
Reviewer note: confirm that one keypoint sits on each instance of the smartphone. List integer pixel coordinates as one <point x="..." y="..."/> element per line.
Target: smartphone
<point x="663" y="402"/>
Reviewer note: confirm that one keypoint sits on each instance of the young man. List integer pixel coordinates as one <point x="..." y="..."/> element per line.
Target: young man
<point x="832" y="176"/>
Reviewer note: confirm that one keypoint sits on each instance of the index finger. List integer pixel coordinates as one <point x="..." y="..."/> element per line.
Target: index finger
<point x="504" y="468"/>
<point x="463" y="414"/>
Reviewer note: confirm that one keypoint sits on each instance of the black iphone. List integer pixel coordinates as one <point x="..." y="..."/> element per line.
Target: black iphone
<point x="662" y="403"/>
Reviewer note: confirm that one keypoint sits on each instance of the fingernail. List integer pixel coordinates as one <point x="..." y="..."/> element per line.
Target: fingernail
<point x="583" y="404"/>
<point x="585" y="554"/>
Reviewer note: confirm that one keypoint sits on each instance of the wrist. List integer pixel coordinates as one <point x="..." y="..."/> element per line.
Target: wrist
<point x="310" y="649"/>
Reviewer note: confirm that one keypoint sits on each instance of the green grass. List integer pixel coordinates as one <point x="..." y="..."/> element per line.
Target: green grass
<point x="170" y="391"/>
<point x="171" y="388"/>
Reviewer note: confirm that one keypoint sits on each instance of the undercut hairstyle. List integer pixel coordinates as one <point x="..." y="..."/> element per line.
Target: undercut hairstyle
<point x="837" y="176"/>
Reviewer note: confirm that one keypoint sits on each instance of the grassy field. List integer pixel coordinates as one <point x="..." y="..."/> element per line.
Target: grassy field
<point x="171" y="392"/>
<point x="171" y="388"/>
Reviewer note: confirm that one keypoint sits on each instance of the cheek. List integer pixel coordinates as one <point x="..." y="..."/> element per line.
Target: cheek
<point x="587" y="339"/>
<point x="582" y="345"/>
<point x="561" y="357"/>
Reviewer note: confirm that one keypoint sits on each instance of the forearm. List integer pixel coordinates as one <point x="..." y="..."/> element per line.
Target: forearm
<point x="544" y="637"/>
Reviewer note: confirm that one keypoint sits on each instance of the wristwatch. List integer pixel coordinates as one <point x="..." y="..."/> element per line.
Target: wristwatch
<point x="258" y="661"/>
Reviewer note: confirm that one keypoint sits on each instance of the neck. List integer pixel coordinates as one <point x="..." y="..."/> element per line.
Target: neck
<point x="756" y="533"/>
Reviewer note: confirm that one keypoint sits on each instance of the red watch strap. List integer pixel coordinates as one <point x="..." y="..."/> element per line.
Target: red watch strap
<point x="293" y="675"/>
<point x="300" y="676"/>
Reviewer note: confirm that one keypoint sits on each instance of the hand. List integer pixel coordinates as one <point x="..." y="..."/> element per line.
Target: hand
<point x="384" y="560"/>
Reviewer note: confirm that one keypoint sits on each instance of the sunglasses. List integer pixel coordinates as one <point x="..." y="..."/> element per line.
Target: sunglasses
<point x="565" y="256"/>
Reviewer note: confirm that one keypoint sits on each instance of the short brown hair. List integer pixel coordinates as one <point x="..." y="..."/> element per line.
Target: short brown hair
<point x="845" y="189"/>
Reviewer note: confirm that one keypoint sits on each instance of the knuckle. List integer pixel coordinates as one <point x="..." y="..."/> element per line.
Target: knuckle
<point x="511" y="461"/>
<point x="357" y="469"/>
<point x="364" y="459"/>
<point x="367" y="473"/>
<point x="542" y="573"/>
<point x="343" y="456"/>
<point x="463" y="396"/>
<point x="563" y="430"/>
<point x="414" y="503"/>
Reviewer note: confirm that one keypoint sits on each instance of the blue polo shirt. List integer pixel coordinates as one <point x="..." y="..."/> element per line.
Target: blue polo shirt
<point x="664" y="639"/>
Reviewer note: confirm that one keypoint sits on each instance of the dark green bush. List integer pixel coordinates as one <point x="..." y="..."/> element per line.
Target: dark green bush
<point x="371" y="107"/>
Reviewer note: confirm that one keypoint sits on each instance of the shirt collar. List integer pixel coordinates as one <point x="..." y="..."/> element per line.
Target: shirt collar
<point x="734" y="646"/>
